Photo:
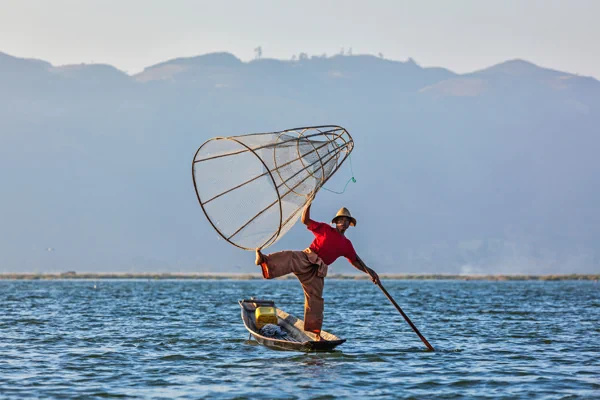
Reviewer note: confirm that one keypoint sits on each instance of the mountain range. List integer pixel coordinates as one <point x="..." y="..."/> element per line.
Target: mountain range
<point x="494" y="171"/>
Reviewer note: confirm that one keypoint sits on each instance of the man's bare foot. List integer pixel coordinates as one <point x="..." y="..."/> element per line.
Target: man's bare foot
<point x="319" y="338"/>
<point x="259" y="257"/>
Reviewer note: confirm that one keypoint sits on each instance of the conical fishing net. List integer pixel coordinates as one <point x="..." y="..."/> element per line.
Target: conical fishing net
<point x="253" y="187"/>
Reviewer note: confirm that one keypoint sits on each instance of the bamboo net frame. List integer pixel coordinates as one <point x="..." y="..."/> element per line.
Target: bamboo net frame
<point x="252" y="188"/>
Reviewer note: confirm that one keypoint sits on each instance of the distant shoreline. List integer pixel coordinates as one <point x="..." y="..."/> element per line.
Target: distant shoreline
<point x="223" y="276"/>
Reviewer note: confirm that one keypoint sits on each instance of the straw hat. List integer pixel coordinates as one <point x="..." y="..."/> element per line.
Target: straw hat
<point x="344" y="212"/>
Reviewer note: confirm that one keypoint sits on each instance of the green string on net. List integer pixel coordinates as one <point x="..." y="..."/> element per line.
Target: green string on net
<point x="349" y="180"/>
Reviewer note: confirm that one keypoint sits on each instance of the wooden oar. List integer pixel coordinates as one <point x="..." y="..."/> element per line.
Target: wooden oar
<point x="430" y="347"/>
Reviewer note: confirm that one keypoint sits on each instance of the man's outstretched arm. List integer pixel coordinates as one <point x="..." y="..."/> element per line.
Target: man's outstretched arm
<point x="306" y="213"/>
<point x="360" y="265"/>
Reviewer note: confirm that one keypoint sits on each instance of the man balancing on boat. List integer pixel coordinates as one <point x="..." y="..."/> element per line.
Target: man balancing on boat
<point x="310" y="265"/>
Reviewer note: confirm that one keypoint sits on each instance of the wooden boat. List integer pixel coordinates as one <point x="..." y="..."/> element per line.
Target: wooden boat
<point x="295" y="339"/>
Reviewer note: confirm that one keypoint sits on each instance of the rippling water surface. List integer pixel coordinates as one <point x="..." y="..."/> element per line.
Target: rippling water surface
<point x="185" y="339"/>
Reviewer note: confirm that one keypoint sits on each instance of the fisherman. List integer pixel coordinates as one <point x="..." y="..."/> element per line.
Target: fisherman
<point x="310" y="265"/>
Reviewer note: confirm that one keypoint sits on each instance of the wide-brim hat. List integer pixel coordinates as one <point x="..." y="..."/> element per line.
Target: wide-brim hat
<point x="344" y="212"/>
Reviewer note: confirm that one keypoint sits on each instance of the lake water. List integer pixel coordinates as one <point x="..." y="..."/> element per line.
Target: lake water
<point x="185" y="339"/>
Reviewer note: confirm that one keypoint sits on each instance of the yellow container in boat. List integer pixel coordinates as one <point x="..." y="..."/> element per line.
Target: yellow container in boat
<point x="265" y="315"/>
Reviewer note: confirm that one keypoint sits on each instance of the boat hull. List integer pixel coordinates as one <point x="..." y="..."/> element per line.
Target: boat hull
<point x="296" y="339"/>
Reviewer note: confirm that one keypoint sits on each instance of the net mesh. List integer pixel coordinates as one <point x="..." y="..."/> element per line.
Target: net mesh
<point x="253" y="188"/>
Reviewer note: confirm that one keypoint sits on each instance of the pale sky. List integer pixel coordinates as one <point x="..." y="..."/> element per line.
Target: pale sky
<point x="462" y="35"/>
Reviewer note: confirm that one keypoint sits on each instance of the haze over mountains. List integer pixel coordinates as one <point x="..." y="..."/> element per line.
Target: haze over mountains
<point x="494" y="171"/>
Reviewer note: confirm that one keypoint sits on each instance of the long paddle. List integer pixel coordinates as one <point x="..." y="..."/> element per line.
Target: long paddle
<point x="430" y="347"/>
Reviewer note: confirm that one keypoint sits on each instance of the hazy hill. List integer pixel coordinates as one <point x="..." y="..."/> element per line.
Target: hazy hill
<point x="495" y="171"/>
